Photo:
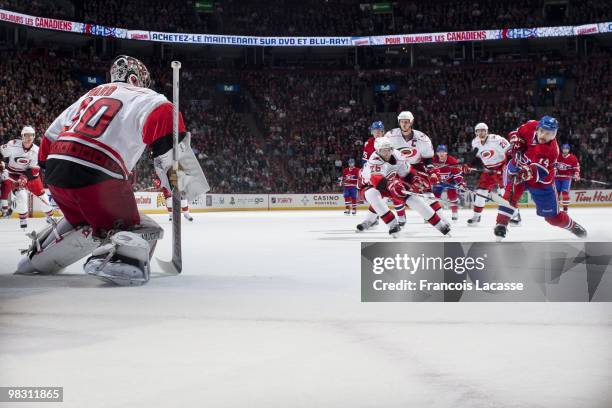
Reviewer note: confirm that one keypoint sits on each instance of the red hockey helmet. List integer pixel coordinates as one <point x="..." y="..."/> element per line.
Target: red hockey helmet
<point x="130" y="70"/>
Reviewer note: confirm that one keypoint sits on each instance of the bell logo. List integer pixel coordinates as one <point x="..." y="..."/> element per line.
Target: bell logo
<point x="487" y="154"/>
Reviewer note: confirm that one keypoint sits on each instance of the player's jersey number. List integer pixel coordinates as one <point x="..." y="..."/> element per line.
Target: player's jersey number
<point x="94" y="118"/>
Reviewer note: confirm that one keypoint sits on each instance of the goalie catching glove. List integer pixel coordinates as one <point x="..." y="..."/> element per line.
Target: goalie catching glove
<point x="191" y="179"/>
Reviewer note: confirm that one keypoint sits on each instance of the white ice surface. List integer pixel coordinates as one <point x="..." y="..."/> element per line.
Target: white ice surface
<point x="267" y="314"/>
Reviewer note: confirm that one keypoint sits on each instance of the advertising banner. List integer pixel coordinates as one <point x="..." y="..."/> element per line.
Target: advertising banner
<point x="232" y="201"/>
<point x="305" y="201"/>
<point x="341" y="41"/>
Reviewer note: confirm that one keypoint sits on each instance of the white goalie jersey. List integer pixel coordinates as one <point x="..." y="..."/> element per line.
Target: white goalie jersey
<point x="492" y="152"/>
<point x="413" y="150"/>
<point x="106" y="129"/>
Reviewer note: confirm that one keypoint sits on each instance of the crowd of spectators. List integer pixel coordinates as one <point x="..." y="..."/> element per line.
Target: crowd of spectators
<point x="314" y="17"/>
<point x="293" y="130"/>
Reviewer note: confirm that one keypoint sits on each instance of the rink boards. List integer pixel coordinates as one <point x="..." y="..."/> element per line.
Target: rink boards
<point x="154" y="202"/>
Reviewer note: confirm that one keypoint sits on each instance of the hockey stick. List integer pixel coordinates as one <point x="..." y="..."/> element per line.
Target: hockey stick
<point x="427" y="197"/>
<point x="496" y="198"/>
<point x="603" y="183"/>
<point x="175" y="266"/>
<point x="472" y="170"/>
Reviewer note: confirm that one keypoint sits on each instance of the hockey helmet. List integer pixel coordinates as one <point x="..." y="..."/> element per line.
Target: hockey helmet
<point x="130" y="70"/>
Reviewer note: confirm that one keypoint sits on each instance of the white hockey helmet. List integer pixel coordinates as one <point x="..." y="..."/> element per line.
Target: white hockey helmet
<point x="382" y="142"/>
<point x="405" y="115"/>
<point x="480" y="126"/>
<point x="130" y="70"/>
<point x="27" y="130"/>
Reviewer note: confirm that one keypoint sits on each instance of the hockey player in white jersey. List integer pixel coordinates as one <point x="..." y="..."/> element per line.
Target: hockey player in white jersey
<point x="88" y="152"/>
<point x="417" y="149"/>
<point x="22" y="174"/>
<point x="387" y="174"/>
<point x="489" y="154"/>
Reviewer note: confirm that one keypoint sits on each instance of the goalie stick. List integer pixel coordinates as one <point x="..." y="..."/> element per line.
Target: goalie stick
<point x="175" y="265"/>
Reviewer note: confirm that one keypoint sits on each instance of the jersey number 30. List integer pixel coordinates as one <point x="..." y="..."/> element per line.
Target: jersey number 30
<point x="96" y="116"/>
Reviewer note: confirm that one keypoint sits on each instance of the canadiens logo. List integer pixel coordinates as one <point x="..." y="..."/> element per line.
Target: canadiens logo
<point x="409" y="152"/>
<point x="487" y="154"/>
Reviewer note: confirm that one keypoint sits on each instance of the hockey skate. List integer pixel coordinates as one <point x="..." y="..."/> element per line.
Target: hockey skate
<point x="516" y="220"/>
<point x="401" y="221"/>
<point x="366" y="225"/>
<point x="444" y="229"/>
<point x="395" y="230"/>
<point x="354" y="212"/>
<point x="23" y="223"/>
<point x="188" y="217"/>
<point x="455" y="217"/>
<point x="578" y="230"/>
<point x="347" y="212"/>
<point x="474" y="221"/>
<point x="500" y="232"/>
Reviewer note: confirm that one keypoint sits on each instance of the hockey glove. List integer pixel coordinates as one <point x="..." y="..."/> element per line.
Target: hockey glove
<point x="525" y="173"/>
<point x="398" y="188"/>
<point x="23" y="181"/>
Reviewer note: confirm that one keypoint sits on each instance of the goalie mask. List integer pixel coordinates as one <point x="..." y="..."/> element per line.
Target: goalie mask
<point x="130" y="70"/>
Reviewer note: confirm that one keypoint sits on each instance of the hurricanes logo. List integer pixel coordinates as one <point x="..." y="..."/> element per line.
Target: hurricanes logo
<point x="409" y="152"/>
<point x="22" y="160"/>
<point x="487" y="154"/>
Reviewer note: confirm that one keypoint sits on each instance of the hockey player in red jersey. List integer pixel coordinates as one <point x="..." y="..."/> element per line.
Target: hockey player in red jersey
<point x="377" y="129"/>
<point x="168" y="199"/>
<point x="88" y="153"/>
<point x="348" y="181"/>
<point x="532" y="167"/>
<point x="568" y="169"/>
<point x="450" y="174"/>
<point x="22" y="175"/>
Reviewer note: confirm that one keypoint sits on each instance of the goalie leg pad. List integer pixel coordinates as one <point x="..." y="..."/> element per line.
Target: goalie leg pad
<point x="56" y="247"/>
<point x="124" y="261"/>
<point x="149" y="230"/>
